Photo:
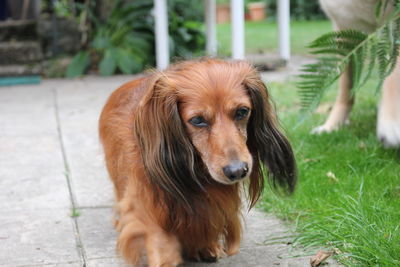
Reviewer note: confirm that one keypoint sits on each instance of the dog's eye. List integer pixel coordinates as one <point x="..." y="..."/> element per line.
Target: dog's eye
<point x="241" y="113"/>
<point x="198" y="121"/>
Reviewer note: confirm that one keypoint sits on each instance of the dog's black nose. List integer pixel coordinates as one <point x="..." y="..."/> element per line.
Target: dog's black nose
<point x="236" y="170"/>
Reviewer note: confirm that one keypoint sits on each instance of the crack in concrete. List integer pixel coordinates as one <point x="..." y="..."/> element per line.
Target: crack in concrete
<point x="67" y="173"/>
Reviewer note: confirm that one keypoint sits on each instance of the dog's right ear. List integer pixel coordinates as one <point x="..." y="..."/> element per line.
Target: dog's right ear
<point x="266" y="141"/>
<point x="169" y="158"/>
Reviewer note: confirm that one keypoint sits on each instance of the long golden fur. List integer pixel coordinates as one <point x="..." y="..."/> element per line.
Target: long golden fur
<point x="168" y="140"/>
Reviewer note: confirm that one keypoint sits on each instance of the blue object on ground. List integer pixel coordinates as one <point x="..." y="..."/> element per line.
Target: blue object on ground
<point x="7" y="81"/>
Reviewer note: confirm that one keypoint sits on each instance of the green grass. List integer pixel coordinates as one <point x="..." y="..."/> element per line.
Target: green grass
<point x="263" y="36"/>
<point x="358" y="210"/>
<point x="75" y="213"/>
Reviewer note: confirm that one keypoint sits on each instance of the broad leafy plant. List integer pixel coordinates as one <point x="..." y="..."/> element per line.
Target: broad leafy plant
<point x="124" y="42"/>
<point x="299" y="9"/>
<point x="185" y="18"/>
<point x="363" y="53"/>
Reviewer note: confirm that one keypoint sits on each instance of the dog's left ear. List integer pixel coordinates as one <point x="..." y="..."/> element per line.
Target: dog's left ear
<point x="170" y="160"/>
<point x="266" y="142"/>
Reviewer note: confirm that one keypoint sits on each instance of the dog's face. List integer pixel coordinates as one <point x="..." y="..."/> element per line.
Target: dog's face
<point x="211" y="118"/>
<point x="216" y="116"/>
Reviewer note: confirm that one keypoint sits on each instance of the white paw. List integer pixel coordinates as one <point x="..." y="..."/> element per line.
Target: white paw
<point x="326" y="128"/>
<point x="322" y="129"/>
<point x="388" y="132"/>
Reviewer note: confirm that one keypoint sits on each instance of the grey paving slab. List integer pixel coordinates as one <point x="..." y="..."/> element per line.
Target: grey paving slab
<point x="97" y="233"/>
<point x="31" y="164"/>
<point x="37" y="237"/>
<point x="260" y="228"/>
<point x="80" y="103"/>
<point x="107" y="262"/>
<point x="59" y="264"/>
<point x="32" y="173"/>
<point x="35" y="226"/>
<point x="26" y="111"/>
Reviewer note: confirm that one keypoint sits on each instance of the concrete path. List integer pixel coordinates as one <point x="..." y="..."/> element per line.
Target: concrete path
<point x="51" y="163"/>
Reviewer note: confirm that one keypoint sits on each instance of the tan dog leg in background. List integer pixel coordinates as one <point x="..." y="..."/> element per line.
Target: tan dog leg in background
<point x="388" y="128"/>
<point x="346" y="14"/>
<point x="341" y="110"/>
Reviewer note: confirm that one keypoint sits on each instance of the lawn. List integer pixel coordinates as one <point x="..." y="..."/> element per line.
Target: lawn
<point x="263" y="36"/>
<point x="348" y="194"/>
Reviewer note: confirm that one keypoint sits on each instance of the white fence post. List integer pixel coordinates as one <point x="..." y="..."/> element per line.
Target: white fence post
<point x="284" y="28"/>
<point x="237" y="18"/>
<point x="211" y="27"/>
<point x="161" y="33"/>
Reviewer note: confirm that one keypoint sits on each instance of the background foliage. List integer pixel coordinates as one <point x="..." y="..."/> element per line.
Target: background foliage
<point x="124" y="42"/>
<point x="299" y="9"/>
<point x="363" y="53"/>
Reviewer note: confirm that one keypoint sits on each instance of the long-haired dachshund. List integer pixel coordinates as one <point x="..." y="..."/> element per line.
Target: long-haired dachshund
<point x="178" y="146"/>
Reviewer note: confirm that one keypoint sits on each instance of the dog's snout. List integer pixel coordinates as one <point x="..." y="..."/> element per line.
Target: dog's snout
<point x="236" y="170"/>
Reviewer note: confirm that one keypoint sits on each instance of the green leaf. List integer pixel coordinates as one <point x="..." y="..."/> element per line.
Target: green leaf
<point x="127" y="62"/>
<point x="139" y="45"/>
<point x="78" y="65"/>
<point x="363" y="52"/>
<point x="101" y="42"/>
<point x="184" y="34"/>
<point x="108" y="63"/>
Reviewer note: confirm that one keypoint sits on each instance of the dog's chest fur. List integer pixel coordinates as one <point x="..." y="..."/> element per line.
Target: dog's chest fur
<point x="353" y="14"/>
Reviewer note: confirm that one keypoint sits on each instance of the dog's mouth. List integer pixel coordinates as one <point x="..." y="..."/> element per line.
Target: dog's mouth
<point x="229" y="182"/>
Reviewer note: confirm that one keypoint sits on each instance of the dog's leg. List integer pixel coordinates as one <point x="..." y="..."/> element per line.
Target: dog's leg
<point x="388" y="128"/>
<point x="211" y="254"/>
<point x="139" y="231"/>
<point x="163" y="249"/>
<point x="341" y="110"/>
<point x="130" y="240"/>
<point x="233" y="236"/>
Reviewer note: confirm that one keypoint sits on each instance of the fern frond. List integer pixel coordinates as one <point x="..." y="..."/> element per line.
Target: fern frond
<point x="361" y="52"/>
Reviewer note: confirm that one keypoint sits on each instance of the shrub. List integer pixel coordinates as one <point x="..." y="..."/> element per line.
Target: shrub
<point x="299" y="9"/>
<point x="124" y="42"/>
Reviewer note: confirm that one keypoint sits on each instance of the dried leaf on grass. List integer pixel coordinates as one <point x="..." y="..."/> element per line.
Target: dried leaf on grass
<point x="332" y="177"/>
<point x="306" y="160"/>
<point x="318" y="258"/>
<point x="362" y="145"/>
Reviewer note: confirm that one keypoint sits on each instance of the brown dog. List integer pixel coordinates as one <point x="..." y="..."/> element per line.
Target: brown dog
<point x="360" y="15"/>
<point x="178" y="146"/>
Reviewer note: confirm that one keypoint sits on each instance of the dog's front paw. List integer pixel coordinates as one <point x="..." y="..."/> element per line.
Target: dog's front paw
<point x="233" y="249"/>
<point x="212" y="254"/>
<point x="329" y="127"/>
<point x="321" y="129"/>
<point x="324" y="129"/>
<point x="388" y="132"/>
